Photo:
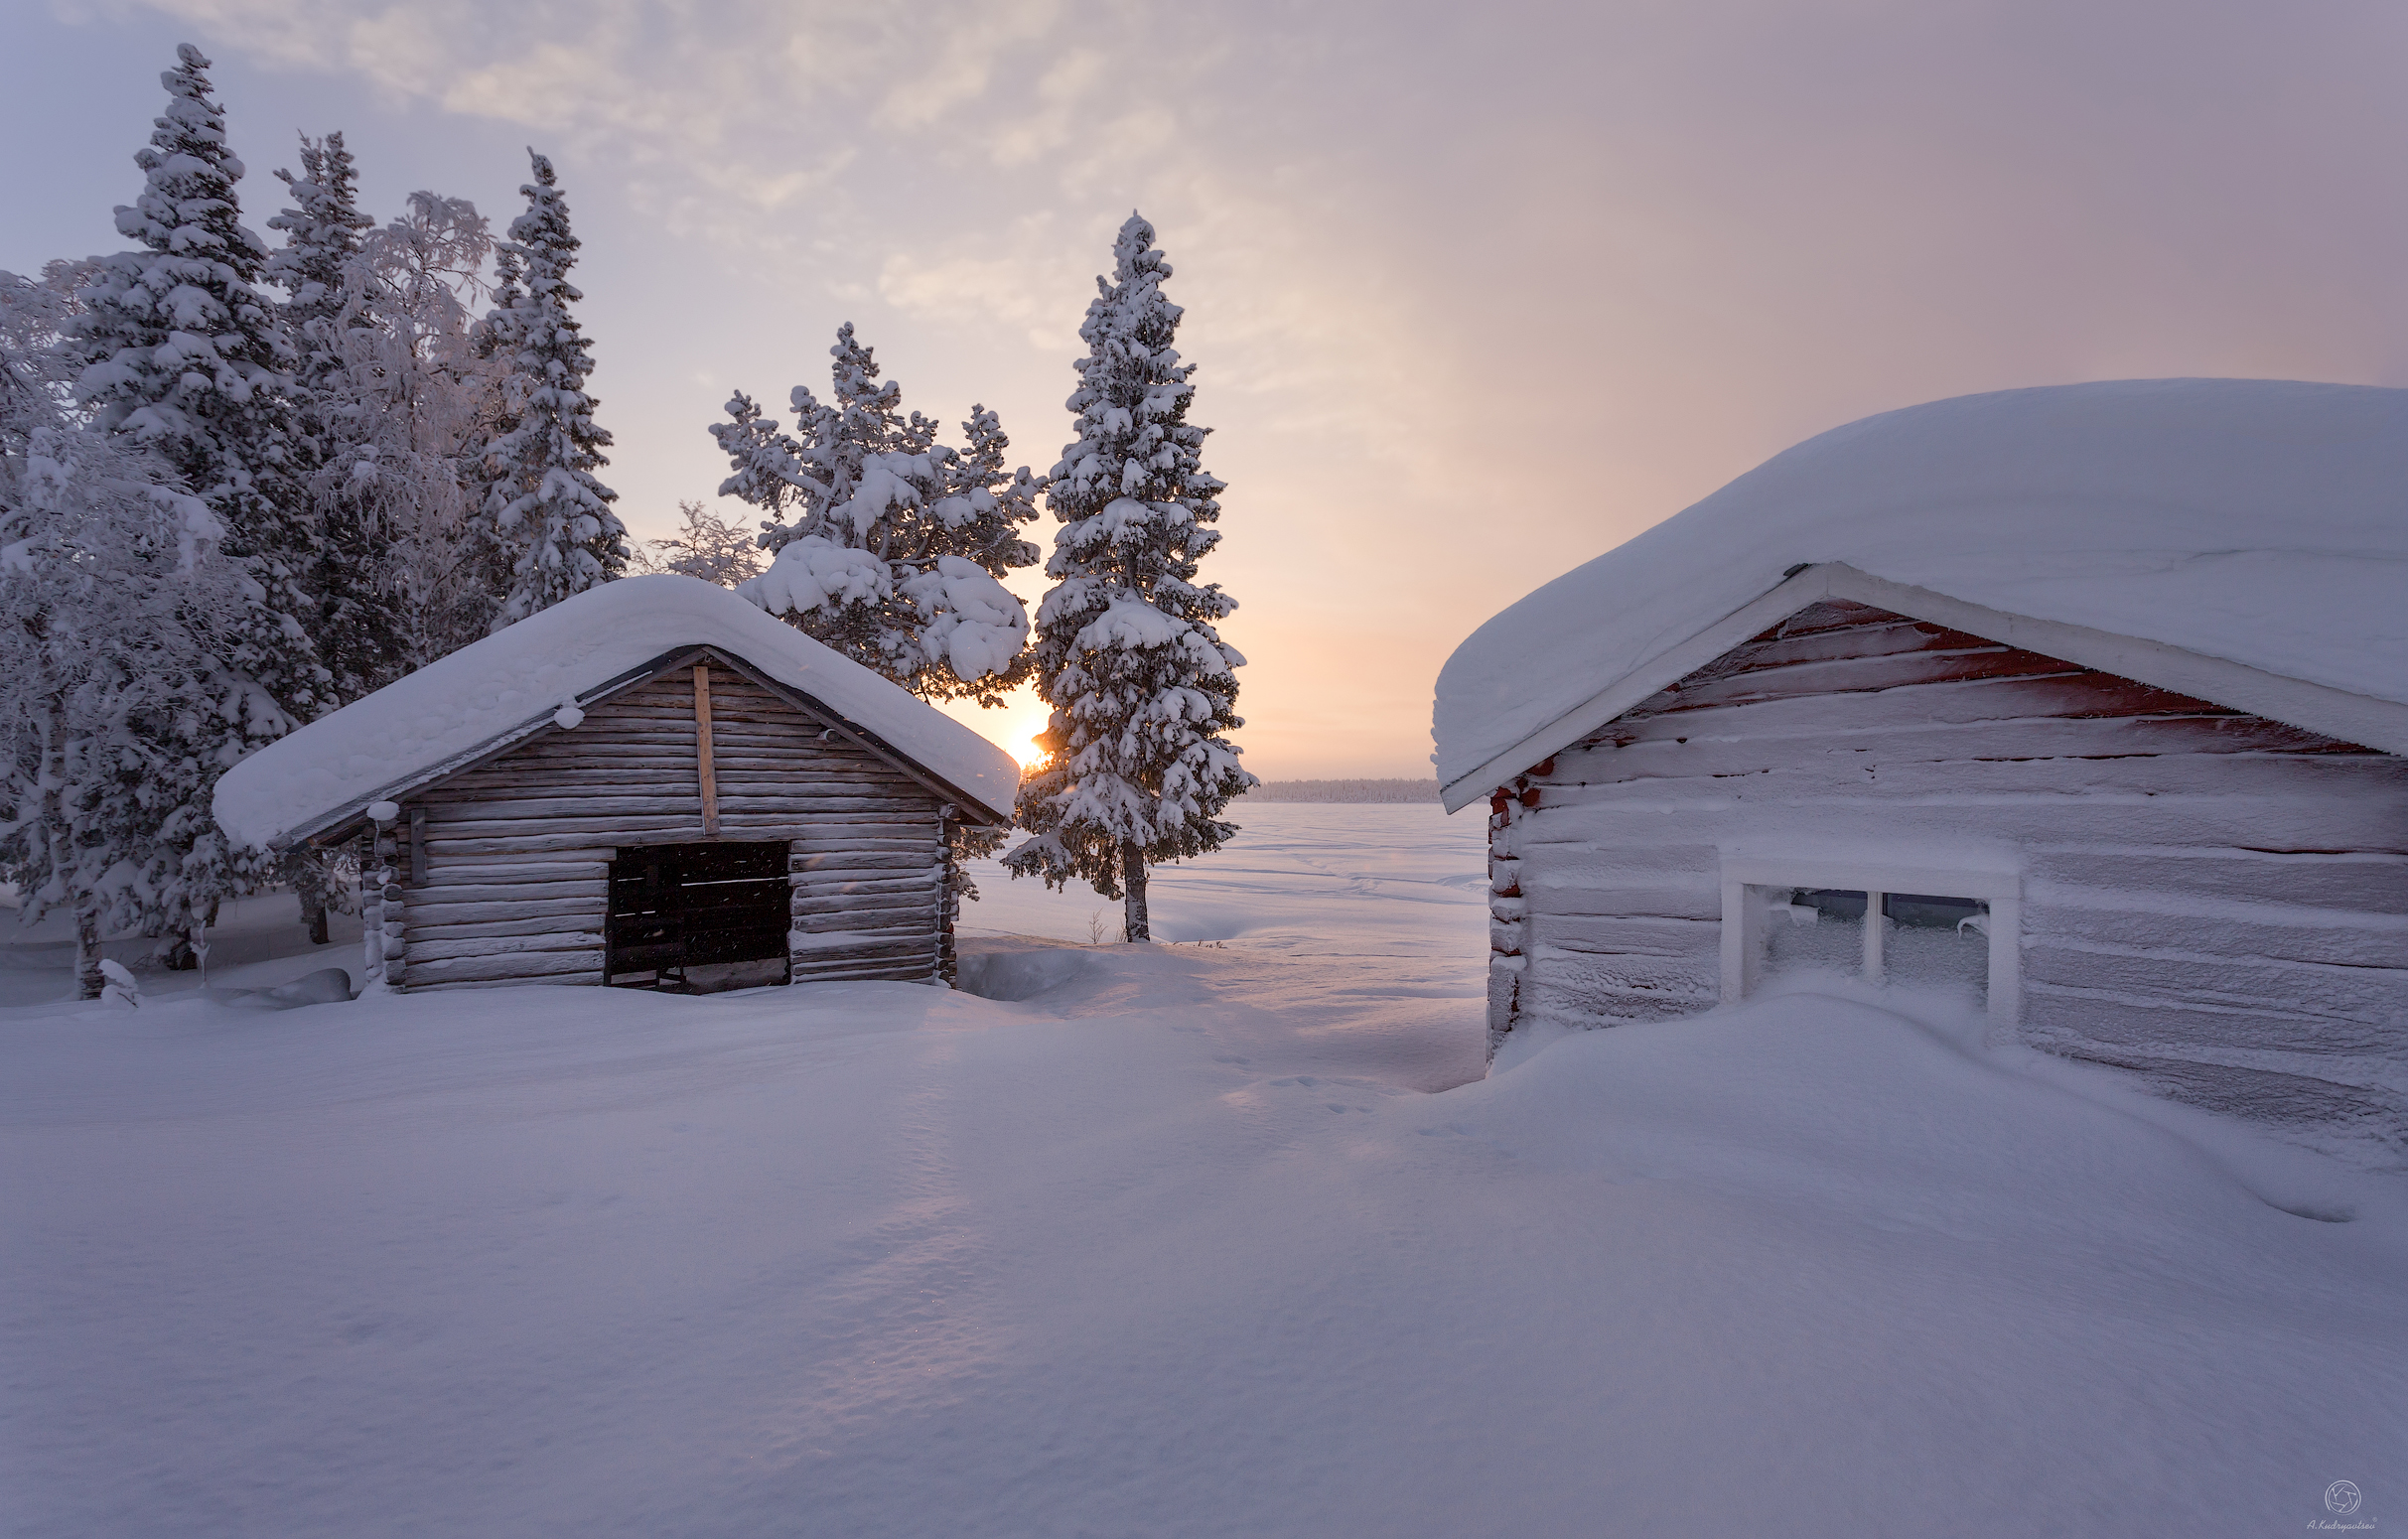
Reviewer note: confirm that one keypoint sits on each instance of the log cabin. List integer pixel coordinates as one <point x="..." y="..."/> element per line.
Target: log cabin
<point x="2081" y="710"/>
<point x="653" y="784"/>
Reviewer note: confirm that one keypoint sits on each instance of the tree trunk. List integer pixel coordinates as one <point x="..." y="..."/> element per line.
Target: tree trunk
<point x="309" y="885"/>
<point x="1133" y="889"/>
<point x="88" y="954"/>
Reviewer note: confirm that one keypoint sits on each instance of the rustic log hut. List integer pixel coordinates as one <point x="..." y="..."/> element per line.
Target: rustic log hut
<point x="2086" y="704"/>
<point x="653" y="784"/>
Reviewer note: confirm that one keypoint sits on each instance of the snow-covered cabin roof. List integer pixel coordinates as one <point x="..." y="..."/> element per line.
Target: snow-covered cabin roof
<point x="2234" y="530"/>
<point x="494" y="691"/>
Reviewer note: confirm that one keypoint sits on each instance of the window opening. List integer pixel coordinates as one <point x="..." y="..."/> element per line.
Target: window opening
<point x="1916" y="939"/>
<point x="1934" y="941"/>
<point x="698" y="918"/>
<point x="1815" y="929"/>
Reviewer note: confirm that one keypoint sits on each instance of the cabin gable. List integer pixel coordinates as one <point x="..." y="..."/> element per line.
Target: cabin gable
<point x="2215" y="900"/>
<point x="2376" y="723"/>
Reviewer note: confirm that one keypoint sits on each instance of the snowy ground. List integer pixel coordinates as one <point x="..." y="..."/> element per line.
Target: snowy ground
<point x="1177" y="1240"/>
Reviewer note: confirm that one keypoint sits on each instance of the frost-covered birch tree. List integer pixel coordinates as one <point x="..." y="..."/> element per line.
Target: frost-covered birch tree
<point x="183" y="356"/>
<point x="714" y="549"/>
<point x="420" y="392"/>
<point x="1137" y="765"/>
<point x="546" y="510"/>
<point x="888" y="544"/>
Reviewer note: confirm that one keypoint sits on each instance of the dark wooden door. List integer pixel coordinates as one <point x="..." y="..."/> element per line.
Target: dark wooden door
<point x="682" y="914"/>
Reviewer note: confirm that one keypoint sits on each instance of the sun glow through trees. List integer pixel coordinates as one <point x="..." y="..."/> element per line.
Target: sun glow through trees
<point x="1013" y="727"/>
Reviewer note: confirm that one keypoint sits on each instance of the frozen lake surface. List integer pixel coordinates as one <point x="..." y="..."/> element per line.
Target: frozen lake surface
<point x="1302" y="878"/>
<point x="1197" y="1240"/>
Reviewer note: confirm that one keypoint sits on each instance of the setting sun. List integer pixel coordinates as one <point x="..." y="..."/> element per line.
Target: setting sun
<point x="1013" y="726"/>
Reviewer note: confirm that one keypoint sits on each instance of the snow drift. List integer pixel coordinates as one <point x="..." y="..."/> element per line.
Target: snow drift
<point x="1164" y="1239"/>
<point x="562" y="657"/>
<point x="2264" y="522"/>
<point x="1171" y="1248"/>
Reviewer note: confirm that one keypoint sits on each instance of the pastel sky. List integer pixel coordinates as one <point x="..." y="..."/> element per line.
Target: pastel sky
<point x="1476" y="292"/>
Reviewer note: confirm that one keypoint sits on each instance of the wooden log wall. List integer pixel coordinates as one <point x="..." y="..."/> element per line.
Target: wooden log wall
<point x="2214" y="899"/>
<point x="518" y="851"/>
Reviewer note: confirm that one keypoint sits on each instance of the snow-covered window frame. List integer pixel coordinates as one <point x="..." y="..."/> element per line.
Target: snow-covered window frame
<point x="1744" y="939"/>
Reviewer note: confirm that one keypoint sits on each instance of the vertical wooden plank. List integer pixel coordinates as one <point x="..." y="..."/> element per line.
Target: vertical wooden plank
<point x="1743" y="940"/>
<point x="418" y="845"/>
<point x="795" y="857"/>
<point x="702" y="748"/>
<point x="2006" y="968"/>
<point x="1872" y="936"/>
<point x="372" y="912"/>
<point x="944" y="893"/>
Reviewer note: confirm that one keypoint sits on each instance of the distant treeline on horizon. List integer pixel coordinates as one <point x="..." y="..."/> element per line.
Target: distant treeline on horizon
<point x="1345" y="790"/>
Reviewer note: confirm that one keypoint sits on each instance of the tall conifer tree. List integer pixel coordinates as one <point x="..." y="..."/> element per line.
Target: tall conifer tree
<point x="354" y="617"/>
<point x="183" y="356"/>
<point x="322" y="239"/>
<point x="1137" y="765"/>
<point x="544" y="507"/>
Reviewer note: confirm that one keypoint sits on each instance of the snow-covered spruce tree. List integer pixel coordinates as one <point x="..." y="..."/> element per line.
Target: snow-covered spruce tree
<point x="331" y="320"/>
<point x="183" y="356"/>
<point x="353" y="624"/>
<point x="118" y="712"/>
<point x="321" y="239"/>
<point x="497" y="334"/>
<point x="766" y="464"/>
<point x="887" y="543"/>
<point x="545" y="506"/>
<point x="1137" y="766"/>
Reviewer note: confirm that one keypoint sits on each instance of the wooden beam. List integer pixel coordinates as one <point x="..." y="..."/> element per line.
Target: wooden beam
<point x="702" y="748"/>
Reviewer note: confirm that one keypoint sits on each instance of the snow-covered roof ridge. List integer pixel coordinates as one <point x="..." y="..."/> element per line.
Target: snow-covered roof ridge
<point x="484" y="693"/>
<point x="2263" y="522"/>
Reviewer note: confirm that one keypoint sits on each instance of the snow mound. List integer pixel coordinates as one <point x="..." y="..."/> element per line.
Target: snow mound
<point x="994" y="972"/>
<point x="544" y="667"/>
<point x="327" y="986"/>
<point x="2260" y="521"/>
<point x="1820" y="1100"/>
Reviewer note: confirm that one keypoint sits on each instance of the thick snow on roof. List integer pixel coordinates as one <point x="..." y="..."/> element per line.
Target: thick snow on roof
<point x="2260" y="521"/>
<point x="482" y="691"/>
